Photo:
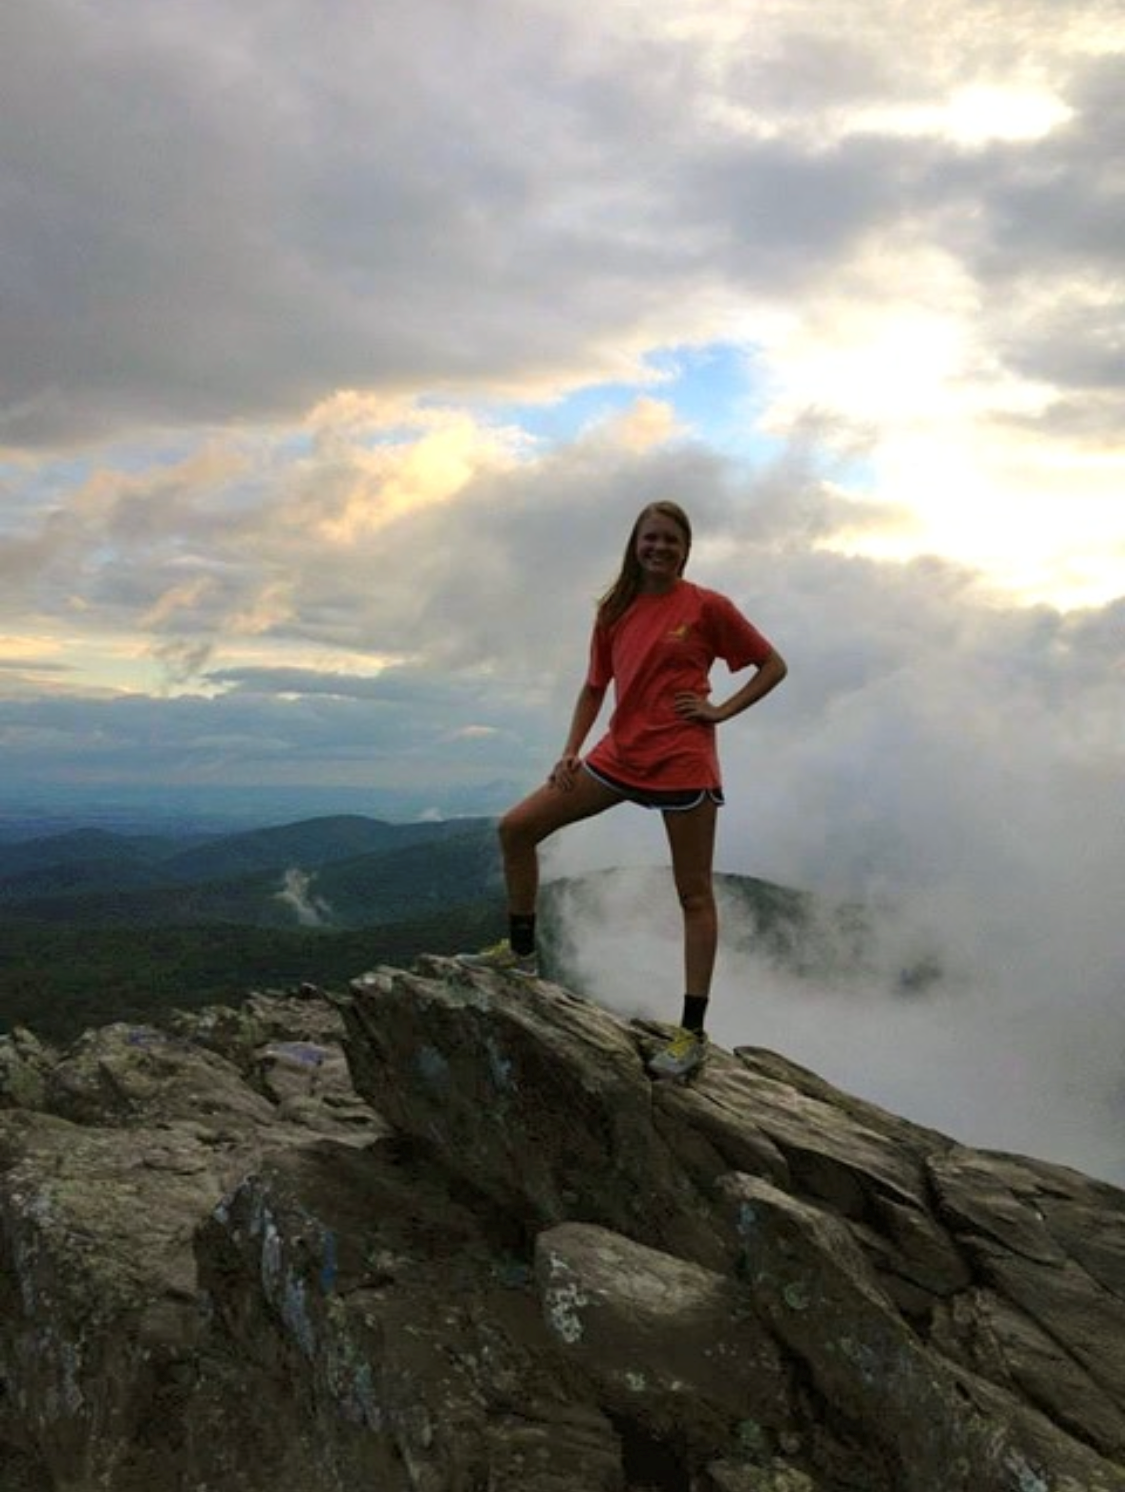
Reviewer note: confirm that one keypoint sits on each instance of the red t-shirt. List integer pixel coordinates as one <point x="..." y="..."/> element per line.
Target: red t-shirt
<point x="662" y="645"/>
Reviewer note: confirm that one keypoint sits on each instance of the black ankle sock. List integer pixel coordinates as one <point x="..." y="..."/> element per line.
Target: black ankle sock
<point x="695" y="1012"/>
<point x="521" y="933"/>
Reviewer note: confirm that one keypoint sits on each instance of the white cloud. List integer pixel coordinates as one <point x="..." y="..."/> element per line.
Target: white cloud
<point x="919" y="756"/>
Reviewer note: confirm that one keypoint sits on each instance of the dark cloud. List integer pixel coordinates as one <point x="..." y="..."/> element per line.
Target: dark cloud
<point x="224" y="215"/>
<point x="1036" y="223"/>
<point x="209" y="214"/>
<point x="271" y="731"/>
<point x="1079" y="347"/>
<point x="780" y="213"/>
<point x="1059" y="205"/>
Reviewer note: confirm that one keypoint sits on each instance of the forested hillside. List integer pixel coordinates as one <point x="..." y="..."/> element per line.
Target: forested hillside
<point x="97" y="927"/>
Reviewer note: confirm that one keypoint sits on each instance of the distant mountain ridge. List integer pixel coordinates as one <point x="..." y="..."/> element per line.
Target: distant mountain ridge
<point x="311" y="843"/>
<point x="368" y="871"/>
<point x="96" y="925"/>
<point x="84" y="846"/>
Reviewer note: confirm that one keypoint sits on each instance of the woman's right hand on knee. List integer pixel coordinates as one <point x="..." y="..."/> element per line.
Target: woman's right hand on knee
<point x="563" y="772"/>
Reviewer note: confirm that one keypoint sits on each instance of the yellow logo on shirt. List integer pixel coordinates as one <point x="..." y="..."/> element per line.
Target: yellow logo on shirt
<point x="678" y="634"/>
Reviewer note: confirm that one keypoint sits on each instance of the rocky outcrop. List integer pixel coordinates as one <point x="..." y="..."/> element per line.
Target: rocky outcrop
<point x="107" y="1363"/>
<point x="444" y="1234"/>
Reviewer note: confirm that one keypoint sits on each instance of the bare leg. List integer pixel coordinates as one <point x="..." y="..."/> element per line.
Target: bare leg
<point x="524" y="827"/>
<point x="691" y="837"/>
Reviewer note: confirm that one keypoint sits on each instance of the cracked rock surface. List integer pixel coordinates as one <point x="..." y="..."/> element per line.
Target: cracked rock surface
<point x="443" y="1234"/>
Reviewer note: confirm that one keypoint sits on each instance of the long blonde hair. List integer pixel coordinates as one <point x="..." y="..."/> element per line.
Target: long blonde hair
<point x="626" y="588"/>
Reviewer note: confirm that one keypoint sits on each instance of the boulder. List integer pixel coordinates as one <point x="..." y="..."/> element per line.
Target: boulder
<point x="99" y="1310"/>
<point x="25" y="1062"/>
<point x="113" y="1159"/>
<point x="540" y="1095"/>
<point x="391" y="1317"/>
<point x="669" y="1346"/>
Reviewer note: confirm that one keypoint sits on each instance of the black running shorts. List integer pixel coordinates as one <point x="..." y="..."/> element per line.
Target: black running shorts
<point x="667" y="800"/>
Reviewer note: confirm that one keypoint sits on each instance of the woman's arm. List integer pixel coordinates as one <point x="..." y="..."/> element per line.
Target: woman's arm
<point x="766" y="677"/>
<point x="586" y="708"/>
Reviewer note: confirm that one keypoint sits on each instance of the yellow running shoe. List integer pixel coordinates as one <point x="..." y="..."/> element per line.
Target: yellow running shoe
<point x="684" y="1054"/>
<point x="503" y="958"/>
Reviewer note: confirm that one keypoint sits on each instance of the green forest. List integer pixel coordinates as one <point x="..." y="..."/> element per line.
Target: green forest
<point x="61" y="980"/>
<point x="97" y="927"/>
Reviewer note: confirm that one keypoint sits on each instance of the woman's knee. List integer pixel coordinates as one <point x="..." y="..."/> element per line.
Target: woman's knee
<point x="521" y="827"/>
<point x="697" y="897"/>
<point x="509" y="829"/>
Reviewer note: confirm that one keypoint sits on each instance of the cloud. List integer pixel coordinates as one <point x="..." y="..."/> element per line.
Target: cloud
<point x="227" y="213"/>
<point x="918" y="757"/>
<point x="296" y="893"/>
<point x="236" y="213"/>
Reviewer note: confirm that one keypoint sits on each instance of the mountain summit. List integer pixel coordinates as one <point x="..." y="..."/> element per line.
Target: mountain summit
<point x="444" y="1234"/>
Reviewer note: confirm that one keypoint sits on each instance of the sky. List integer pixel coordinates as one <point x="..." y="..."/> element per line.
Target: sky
<point x="340" y="345"/>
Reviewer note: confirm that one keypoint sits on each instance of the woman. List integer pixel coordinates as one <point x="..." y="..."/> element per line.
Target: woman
<point x="655" y="636"/>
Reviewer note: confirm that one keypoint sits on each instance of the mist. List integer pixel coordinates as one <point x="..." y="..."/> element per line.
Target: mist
<point x="296" y="894"/>
<point x="980" y="820"/>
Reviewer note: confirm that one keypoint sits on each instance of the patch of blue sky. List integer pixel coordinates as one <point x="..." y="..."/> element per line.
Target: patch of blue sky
<point x="36" y="478"/>
<point x="721" y="392"/>
<point x="717" y="390"/>
<point x="561" y="420"/>
<point x="854" y="475"/>
<point x="138" y="457"/>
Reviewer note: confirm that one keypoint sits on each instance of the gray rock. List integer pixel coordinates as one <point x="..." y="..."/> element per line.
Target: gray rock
<point x="866" y="1200"/>
<point x="444" y="1235"/>
<point x="540" y="1096"/>
<point x="24" y="1064"/>
<point x="669" y="1345"/>
<point x="810" y="1280"/>
<point x="135" y="1136"/>
<point x="726" y="1476"/>
<point x="98" y="1300"/>
<point x="138" y="1075"/>
<point x="394" y="1321"/>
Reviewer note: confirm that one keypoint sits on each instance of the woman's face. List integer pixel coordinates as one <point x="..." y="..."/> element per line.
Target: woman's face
<point x="661" y="548"/>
